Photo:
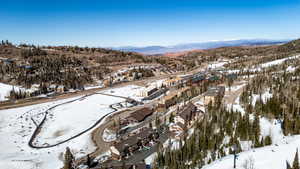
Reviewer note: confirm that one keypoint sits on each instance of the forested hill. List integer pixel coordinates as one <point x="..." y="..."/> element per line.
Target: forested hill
<point x="95" y="55"/>
<point x="70" y="66"/>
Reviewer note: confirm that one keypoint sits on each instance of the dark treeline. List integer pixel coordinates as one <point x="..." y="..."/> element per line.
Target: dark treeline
<point x="284" y="105"/>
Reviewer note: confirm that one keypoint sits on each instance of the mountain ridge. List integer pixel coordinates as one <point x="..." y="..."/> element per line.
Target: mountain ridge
<point x="156" y="49"/>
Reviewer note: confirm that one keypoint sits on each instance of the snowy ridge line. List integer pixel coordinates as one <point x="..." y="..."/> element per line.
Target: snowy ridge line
<point x="39" y="127"/>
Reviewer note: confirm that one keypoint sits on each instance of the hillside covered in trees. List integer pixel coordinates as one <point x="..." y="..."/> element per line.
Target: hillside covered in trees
<point x="72" y="67"/>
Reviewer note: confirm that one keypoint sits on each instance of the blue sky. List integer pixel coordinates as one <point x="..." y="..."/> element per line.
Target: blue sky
<point x="146" y="22"/>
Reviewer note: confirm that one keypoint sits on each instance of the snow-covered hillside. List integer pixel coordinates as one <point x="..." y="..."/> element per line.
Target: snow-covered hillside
<point x="270" y="157"/>
<point x="283" y="148"/>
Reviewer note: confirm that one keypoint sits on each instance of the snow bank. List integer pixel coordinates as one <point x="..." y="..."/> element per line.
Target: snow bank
<point x="4" y="91"/>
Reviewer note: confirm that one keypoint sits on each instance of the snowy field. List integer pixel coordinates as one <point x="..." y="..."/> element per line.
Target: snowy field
<point x="16" y="128"/>
<point x="70" y="119"/>
<point x="131" y="91"/>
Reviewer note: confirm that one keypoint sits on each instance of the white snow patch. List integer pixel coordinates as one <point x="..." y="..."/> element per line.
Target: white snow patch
<point x="217" y="65"/>
<point x="150" y="159"/>
<point x="277" y="62"/>
<point x="109" y="136"/>
<point x="5" y="89"/>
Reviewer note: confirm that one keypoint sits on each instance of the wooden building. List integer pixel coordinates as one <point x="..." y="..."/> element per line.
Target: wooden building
<point x="125" y="148"/>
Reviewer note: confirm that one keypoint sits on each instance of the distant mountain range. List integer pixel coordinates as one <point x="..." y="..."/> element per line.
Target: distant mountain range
<point x="152" y="50"/>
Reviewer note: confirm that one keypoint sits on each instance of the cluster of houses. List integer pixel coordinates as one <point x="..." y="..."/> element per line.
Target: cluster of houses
<point x="143" y="136"/>
<point x="146" y="137"/>
<point x="129" y="73"/>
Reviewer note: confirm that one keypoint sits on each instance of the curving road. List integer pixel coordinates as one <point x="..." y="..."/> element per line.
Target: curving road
<point x="40" y="125"/>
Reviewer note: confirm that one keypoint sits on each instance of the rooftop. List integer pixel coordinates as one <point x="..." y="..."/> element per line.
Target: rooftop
<point x="141" y="114"/>
<point x="132" y="140"/>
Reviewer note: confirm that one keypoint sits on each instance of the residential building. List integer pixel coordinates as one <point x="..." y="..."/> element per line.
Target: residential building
<point x="170" y="99"/>
<point x="148" y="91"/>
<point x="173" y="81"/>
<point x="184" y="119"/>
<point x="137" y="116"/>
<point x="212" y="94"/>
<point x="125" y="148"/>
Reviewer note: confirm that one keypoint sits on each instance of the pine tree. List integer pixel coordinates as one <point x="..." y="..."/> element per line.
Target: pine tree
<point x="296" y="161"/>
<point x="285" y="125"/>
<point x="268" y="140"/>
<point x="88" y="161"/>
<point x="68" y="161"/>
<point x="256" y="125"/>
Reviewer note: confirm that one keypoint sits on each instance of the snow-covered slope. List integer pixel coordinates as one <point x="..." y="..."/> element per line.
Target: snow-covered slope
<point x="16" y="128"/>
<point x="270" y="157"/>
<point x="15" y="131"/>
<point x="72" y="118"/>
